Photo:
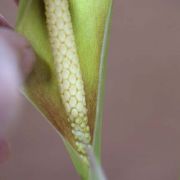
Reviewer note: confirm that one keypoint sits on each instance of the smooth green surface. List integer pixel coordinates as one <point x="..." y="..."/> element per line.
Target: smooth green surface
<point x="90" y="21"/>
<point x="101" y="86"/>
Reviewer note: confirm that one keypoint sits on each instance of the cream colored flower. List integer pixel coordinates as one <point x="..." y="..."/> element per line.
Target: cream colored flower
<point x="69" y="75"/>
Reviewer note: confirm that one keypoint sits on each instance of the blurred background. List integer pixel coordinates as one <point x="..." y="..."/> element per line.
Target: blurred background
<point x="141" y="134"/>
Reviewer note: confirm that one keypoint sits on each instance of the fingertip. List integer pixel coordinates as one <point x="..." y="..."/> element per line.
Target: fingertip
<point x="23" y="49"/>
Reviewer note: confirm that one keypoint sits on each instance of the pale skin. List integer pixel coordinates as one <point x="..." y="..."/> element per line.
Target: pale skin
<point x="16" y="62"/>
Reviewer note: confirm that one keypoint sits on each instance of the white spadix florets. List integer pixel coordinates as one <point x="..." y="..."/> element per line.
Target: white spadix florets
<point x="68" y="70"/>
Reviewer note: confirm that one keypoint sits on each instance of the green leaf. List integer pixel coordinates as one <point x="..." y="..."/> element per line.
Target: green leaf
<point x="91" y="24"/>
<point x="101" y="85"/>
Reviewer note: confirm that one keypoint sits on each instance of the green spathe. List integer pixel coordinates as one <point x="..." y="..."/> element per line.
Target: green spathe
<point x="90" y="21"/>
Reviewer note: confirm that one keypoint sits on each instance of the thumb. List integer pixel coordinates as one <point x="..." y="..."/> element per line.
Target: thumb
<point x="16" y="61"/>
